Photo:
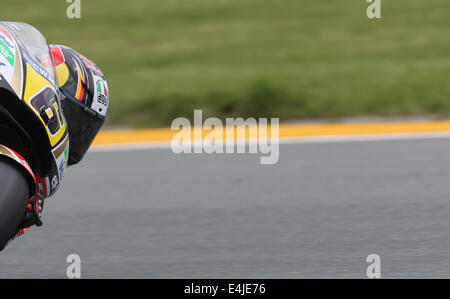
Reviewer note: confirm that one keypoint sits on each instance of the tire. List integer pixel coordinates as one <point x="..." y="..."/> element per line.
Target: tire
<point x="14" y="192"/>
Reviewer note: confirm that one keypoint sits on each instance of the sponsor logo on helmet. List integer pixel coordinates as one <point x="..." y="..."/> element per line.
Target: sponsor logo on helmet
<point x="90" y="64"/>
<point x="102" y="91"/>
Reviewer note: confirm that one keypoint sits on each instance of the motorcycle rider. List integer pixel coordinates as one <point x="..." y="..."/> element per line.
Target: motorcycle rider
<point x="84" y="100"/>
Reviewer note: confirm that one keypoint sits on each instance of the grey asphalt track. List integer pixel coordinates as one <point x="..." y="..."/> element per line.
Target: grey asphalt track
<point x="318" y="213"/>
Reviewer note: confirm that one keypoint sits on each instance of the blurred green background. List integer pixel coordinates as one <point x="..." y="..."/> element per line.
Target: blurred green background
<point x="257" y="58"/>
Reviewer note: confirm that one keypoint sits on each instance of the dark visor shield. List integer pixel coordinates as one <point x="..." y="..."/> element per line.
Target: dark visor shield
<point x="84" y="125"/>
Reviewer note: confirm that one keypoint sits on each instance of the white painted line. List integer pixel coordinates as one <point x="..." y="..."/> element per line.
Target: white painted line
<point x="363" y="138"/>
<point x="299" y="140"/>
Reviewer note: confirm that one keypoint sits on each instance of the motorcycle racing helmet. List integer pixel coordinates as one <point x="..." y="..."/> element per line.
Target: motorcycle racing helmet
<point x="84" y="98"/>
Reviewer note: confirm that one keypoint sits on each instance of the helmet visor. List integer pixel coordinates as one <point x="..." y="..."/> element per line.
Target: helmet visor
<point x="84" y="125"/>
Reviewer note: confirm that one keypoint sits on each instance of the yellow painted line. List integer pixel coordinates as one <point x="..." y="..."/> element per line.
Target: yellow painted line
<point x="300" y="131"/>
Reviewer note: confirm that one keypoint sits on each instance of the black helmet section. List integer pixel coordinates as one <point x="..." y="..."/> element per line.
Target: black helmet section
<point x="84" y="98"/>
<point x="83" y="124"/>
